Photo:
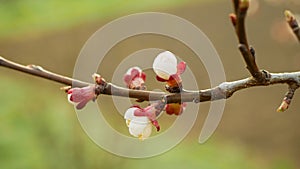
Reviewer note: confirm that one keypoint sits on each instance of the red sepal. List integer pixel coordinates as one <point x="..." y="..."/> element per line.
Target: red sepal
<point x="161" y="79"/>
<point x="181" y="67"/>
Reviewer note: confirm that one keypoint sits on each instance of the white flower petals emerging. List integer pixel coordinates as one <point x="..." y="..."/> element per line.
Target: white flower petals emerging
<point x="139" y="126"/>
<point x="165" y="65"/>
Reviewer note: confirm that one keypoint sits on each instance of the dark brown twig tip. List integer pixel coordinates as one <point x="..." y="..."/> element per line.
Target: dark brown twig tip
<point x="232" y="17"/>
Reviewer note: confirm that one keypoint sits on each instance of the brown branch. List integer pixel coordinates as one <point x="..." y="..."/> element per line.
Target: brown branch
<point x="238" y="21"/>
<point x="291" y="20"/>
<point x="40" y="72"/>
<point x="222" y="91"/>
<point x="235" y="5"/>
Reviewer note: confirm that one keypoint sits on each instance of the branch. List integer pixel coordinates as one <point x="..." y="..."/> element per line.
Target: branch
<point x="248" y="53"/>
<point x="40" y="72"/>
<point x="238" y="21"/>
<point x="291" y="20"/>
<point x="222" y="91"/>
<point x="288" y="97"/>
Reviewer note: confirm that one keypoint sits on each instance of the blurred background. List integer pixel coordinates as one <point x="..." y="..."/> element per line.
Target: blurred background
<point x="39" y="129"/>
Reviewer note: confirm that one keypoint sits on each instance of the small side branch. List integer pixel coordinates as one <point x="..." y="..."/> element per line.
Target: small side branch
<point x="293" y="23"/>
<point x="288" y="97"/>
<point x="238" y="21"/>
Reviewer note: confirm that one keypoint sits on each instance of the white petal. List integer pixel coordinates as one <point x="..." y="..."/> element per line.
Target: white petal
<point x="129" y="114"/>
<point x="165" y="65"/>
<point x="141" y="131"/>
<point x="140" y="120"/>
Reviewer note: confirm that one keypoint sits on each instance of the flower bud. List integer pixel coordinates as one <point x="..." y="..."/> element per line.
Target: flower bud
<point x="135" y="78"/>
<point x="139" y="126"/>
<point x="175" y="108"/>
<point x="165" y="65"/>
<point x="167" y="70"/>
<point x="81" y="96"/>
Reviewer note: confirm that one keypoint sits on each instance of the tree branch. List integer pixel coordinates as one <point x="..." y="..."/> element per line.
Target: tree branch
<point x="40" y="72"/>
<point x="222" y="91"/>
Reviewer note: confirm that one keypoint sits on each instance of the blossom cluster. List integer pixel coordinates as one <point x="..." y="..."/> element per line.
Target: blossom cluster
<point x="140" y="120"/>
<point x="167" y="70"/>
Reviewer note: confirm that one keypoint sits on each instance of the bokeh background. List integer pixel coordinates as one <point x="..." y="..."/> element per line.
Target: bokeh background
<point x="39" y="129"/>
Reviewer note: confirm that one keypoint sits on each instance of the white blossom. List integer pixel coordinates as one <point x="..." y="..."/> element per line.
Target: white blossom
<point x="165" y="65"/>
<point x="139" y="126"/>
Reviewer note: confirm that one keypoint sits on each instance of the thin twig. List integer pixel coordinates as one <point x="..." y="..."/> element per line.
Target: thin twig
<point x="222" y="91"/>
<point x="39" y="71"/>
<point x="293" y="23"/>
<point x="235" y="5"/>
<point x="288" y="97"/>
<point x="238" y="21"/>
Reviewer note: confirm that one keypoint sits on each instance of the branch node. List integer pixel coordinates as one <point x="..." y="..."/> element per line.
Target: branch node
<point x="266" y="75"/>
<point x="196" y="100"/>
<point x="173" y="89"/>
<point x="252" y="51"/>
<point x="101" y="84"/>
<point x="164" y="99"/>
<point x="243" y="48"/>
<point x="99" y="89"/>
<point x="36" y="67"/>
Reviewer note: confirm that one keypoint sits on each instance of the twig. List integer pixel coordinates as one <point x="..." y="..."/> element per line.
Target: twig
<point x="222" y="91"/>
<point x="288" y="97"/>
<point x="238" y="21"/>
<point x="39" y="71"/>
<point x="235" y="5"/>
<point x="291" y="20"/>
